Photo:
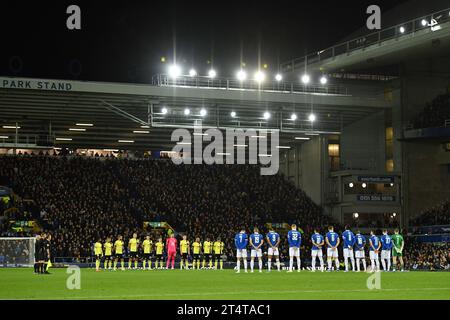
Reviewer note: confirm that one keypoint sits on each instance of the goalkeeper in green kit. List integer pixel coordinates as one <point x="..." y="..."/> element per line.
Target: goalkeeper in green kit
<point x="397" y="245"/>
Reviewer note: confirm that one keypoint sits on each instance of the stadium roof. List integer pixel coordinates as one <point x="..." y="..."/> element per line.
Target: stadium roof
<point x="46" y="110"/>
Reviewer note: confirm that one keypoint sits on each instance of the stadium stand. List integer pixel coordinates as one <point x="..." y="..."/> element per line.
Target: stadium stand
<point x="438" y="215"/>
<point x="435" y="113"/>
<point x="79" y="199"/>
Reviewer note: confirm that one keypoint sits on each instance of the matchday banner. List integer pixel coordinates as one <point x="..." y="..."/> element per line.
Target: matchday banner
<point x="376" y="179"/>
<point x="375" y="197"/>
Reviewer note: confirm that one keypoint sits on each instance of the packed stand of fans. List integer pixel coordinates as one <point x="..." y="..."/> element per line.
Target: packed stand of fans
<point x="437" y="215"/>
<point x="434" y="113"/>
<point x="81" y="199"/>
<point x="426" y="256"/>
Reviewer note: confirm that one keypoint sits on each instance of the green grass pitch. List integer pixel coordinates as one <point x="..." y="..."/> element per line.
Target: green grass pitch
<point x="21" y="283"/>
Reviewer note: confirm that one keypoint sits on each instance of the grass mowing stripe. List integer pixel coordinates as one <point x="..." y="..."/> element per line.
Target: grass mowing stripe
<point x="243" y="292"/>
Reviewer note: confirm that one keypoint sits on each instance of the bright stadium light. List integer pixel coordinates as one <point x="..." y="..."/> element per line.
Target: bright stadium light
<point x="241" y="75"/>
<point x="356" y="215"/>
<point x="11" y="127"/>
<point x="164" y="110"/>
<point x="84" y="124"/>
<point x="187" y="112"/>
<point x="141" y="131"/>
<point x="312" y="117"/>
<point x="125" y="141"/>
<point x="424" y="22"/>
<point x="350" y="184"/>
<point x="63" y="139"/>
<point x="402" y="29"/>
<point x="212" y="73"/>
<point x="203" y="112"/>
<point x="364" y="185"/>
<point x="4" y="137"/>
<point x="174" y="71"/>
<point x="293" y="117"/>
<point x="394" y="214"/>
<point x="323" y="80"/>
<point x="192" y="73"/>
<point x="305" y="78"/>
<point x="233" y="114"/>
<point x="77" y="129"/>
<point x="259" y="76"/>
<point x="266" y="115"/>
<point x="392" y="184"/>
<point x="278" y="77"/>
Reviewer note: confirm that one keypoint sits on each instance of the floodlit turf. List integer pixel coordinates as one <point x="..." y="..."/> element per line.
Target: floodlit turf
<point x="217" y="284"/>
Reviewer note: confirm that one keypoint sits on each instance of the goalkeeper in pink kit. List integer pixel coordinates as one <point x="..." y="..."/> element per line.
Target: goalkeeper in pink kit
<point x="171" y="245"/>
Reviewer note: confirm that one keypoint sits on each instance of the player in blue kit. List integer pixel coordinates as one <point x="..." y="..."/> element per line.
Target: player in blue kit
<point x="316" y="250"/>
<point x="256" y="242"/>
<point x="332" y="240"/>
<point x="241" y="242"/>
<point x="294" y="240"/>
<point x="273" y="241"/>
<point x="374" y="248"/>
<point x="348" y="242"/>
<point x="386" y="246"/>
<point x="360" y="242"/>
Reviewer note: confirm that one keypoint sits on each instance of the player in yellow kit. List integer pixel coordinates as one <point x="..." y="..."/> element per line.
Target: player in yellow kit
<point x="196" y="248"/>
<point x="185" y="251"/>
<point x="107" y="264"/>
<point x="159" y="253"/>
<point x="207" y="253"/>
<point x="118" y="253"/>
<point x="132" y="251"/>
<point x="218" y="250"/>
<point x="98" y="254"/>
<point x="147" y="246"/>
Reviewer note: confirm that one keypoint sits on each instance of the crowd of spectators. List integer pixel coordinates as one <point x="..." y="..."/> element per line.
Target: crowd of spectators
<point x="426" y="256"/>
<point x="435" y="113"/>
<point x="81" y="199"/>
<point x="437" y="215"/>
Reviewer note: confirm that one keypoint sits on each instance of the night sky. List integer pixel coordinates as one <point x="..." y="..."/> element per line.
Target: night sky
<point x="125" y="41"/>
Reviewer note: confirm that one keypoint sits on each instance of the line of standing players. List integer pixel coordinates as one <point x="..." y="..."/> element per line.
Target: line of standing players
<point x="147" y="251"/>
<point x="353" y="247"/>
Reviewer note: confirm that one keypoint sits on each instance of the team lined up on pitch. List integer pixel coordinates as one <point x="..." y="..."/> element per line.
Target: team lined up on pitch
<point x="210" y="253"/>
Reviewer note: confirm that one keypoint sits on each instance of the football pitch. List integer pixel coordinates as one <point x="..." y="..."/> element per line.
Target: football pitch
<point x="21" y="283"/>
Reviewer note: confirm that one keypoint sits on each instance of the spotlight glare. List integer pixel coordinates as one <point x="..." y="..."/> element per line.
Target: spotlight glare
<point x="278" y="77"/>
<point x="312" y="117"/>
<point x="203" y="112"/>
<point x="293" y="117"/>
<point x="402" y="29"/>
<point x="266" y="115"/>
<point x="164" y="110"/>
<point x="424" y="22"/>
<point x="323" y="80"/>
<point x="174" y="71"/>
<point x="259" y="76"/>
<point x="305" y="78"/>
<point x="241" y="75"/>
<point x="212" y="73"/>
<point x="192" y="73"/>
<point x="187" y="111"/>
<point x="233" y="114"/>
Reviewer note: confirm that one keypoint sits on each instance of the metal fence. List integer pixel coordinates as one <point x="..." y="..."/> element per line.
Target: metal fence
<point x="164" y="80"/>
<point x="430" y="23"/>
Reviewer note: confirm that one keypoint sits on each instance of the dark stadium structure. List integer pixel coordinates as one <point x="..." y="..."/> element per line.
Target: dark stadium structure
<point x="91" y="159"/>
